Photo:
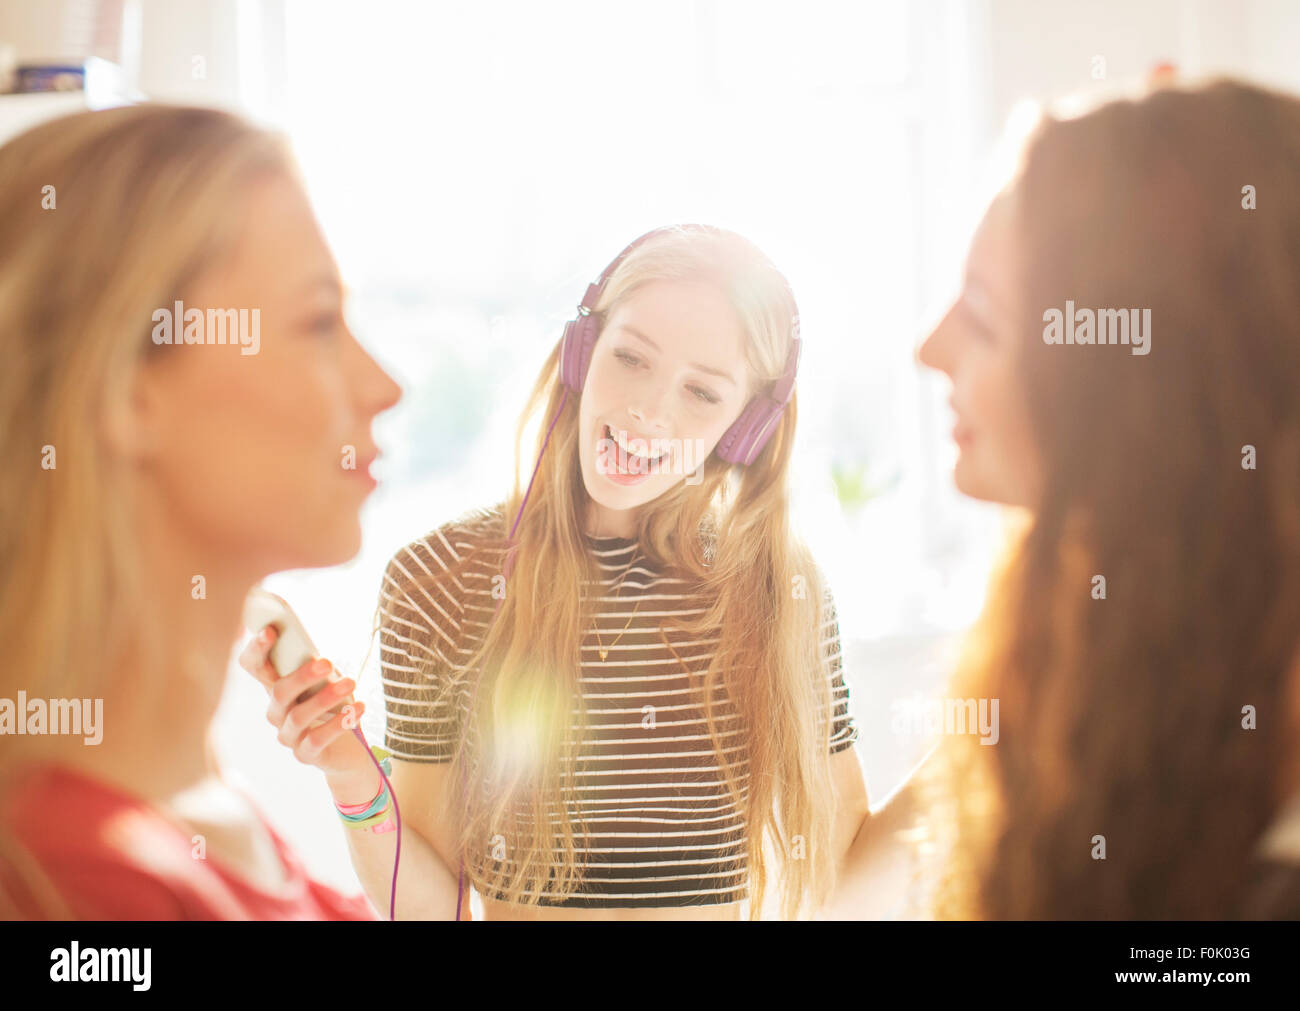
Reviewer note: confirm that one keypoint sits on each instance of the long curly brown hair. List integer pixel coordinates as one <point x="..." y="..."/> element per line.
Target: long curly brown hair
<point x="1126" y="719"/>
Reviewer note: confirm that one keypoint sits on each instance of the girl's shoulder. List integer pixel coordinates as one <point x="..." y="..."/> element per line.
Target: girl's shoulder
<point x="449" y="562"/>
<point x="100" y="849"/>
<point x="451" y="544"/>
<point x="109" y="855"/>
<point x="480" y="529"/>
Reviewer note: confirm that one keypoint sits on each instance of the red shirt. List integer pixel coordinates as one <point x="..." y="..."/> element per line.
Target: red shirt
<point x="112" y="857"/>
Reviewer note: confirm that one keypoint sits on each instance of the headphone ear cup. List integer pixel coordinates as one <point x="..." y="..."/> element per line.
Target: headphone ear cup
<point x="749" y="433"/>
<point x="575" y="355"/>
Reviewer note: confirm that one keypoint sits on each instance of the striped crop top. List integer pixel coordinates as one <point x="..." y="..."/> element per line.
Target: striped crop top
<point x="662" y="828"/>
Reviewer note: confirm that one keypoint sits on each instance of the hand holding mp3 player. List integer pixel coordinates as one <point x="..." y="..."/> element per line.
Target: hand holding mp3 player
<point x="292" y="647"/>
<point x="343" y="753"/>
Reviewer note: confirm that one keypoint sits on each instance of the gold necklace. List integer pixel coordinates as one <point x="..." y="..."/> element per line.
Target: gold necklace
<point x="604" y="650"/>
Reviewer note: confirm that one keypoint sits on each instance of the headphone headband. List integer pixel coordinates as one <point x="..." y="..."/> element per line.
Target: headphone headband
<point x="750" y="432"/>
<point x="597" y="287"/>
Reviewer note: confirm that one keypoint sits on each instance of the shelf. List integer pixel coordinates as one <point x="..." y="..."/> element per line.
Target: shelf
<point x="20" y="112"/>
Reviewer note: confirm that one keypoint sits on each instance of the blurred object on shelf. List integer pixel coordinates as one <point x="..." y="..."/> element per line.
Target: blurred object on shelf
<point x="94" y="76"/>
<point x="51" y="79"/>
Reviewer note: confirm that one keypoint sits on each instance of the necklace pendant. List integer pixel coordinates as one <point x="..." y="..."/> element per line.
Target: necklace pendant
<point x="604" y="653"/>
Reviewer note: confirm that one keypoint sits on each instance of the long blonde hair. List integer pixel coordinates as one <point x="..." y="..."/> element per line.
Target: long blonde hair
<point x="104" y="216"/>
<point x="731" y="535"/>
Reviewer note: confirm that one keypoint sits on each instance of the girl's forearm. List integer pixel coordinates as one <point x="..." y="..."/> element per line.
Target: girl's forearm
<point x="426" y="887"/>
<point x="875" y="874"/>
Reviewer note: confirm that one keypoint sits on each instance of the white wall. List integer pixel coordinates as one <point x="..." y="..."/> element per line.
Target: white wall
<point x="1044" y="50"/>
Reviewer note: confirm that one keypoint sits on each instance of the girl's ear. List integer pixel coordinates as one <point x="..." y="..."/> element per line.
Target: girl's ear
<point x="131" y="423"/>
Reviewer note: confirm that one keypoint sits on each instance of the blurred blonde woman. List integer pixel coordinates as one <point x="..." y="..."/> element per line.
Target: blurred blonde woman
<point x="613" y="725"/>
<point x="150" y="485"/>
<point x="1143" y="637"/>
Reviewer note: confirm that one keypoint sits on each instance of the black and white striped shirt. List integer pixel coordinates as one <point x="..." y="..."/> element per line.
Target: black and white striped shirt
<point x="662" y="828"/>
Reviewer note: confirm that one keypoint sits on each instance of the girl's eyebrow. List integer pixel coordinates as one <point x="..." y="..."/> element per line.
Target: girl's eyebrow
<point x="695" y="365"/>
<point x="979" y="293"/>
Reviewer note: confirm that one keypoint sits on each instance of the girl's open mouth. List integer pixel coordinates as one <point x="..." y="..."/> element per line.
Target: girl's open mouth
<point x="624" y="466"/>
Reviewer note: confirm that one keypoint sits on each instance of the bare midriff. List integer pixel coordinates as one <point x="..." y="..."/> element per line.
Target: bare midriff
<point x="494" y="910"/>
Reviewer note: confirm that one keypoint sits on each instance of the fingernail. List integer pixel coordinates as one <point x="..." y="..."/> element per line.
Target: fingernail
<point x="321" y="666"/>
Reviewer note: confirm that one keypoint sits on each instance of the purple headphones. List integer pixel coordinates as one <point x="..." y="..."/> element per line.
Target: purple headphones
<point x="741" y="443"/>
<point x="748" y="434"/>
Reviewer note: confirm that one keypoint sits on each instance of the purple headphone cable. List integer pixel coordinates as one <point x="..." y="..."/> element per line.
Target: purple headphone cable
<point x="508" y="566"/>
<point x="397" y="811"/>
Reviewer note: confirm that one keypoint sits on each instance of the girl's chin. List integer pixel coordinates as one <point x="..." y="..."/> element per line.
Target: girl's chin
<point x="971" y="482"/>
<point x="610" y="493"/>
<point x="342" y="544"/>
<point x="967" y="478"/>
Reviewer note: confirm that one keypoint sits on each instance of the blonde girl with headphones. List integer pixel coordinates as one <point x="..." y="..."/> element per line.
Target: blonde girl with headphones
<point x="624" y="701"/>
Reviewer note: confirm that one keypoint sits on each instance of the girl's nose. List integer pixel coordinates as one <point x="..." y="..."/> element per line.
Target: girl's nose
<point x="375" y="390"/>
<point x="934" y="351"/>
<point x="647" y="418"/>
